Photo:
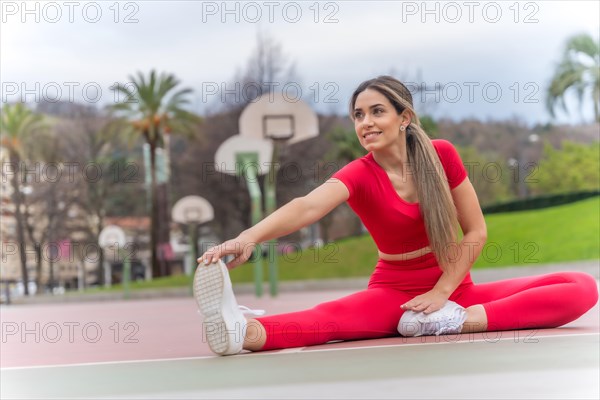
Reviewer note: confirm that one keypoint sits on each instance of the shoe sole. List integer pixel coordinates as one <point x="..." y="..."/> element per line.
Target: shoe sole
<point x="208" y="292"/>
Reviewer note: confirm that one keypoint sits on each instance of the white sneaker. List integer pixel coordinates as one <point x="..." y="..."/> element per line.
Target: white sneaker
<point x="224" y="323"/>
<point x="447" y="320"/>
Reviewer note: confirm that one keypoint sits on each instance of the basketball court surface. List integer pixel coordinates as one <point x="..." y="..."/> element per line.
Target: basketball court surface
<point x="155" y="349"/>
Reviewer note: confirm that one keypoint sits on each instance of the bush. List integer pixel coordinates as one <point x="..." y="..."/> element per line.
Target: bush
<point x="534" y="203"/>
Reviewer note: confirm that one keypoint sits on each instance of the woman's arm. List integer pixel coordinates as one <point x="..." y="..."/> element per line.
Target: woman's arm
<point x="296" y="214"/>
<point x="472" y="223"/>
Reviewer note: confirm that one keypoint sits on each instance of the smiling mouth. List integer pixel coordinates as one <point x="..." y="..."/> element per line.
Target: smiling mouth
<point x="369" y="134"/>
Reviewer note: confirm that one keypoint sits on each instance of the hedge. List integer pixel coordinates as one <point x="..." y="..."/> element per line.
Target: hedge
<point x="533" y="203"/>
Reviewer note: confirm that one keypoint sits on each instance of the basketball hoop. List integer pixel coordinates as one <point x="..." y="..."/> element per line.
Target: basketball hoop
<point x="278" y="127"/>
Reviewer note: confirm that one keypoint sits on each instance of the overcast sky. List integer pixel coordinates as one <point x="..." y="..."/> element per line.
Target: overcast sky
<point x="496" y="58"/>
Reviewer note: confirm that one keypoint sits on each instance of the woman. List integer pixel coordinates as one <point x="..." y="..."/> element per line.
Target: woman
<point x="410" y="193"/>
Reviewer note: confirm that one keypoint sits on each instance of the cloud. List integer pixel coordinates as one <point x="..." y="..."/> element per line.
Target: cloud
<point x="339" y="42"/>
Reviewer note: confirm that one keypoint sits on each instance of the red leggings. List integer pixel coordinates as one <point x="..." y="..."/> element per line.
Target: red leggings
<point x="544" y="301"/>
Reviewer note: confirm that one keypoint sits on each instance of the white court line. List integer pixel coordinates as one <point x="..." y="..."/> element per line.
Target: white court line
<point x="291" y="350"/>
<point x="296" y="350"/>
<point x="489" y="340"/>
<point x="107" y="363"/>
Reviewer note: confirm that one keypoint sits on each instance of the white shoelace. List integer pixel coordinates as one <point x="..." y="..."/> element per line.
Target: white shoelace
<point x="247" y="311"/>
<point x="441" y="323"/>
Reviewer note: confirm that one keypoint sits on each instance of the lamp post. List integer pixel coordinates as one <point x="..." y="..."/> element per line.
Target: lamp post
<point x="521" y="164"/>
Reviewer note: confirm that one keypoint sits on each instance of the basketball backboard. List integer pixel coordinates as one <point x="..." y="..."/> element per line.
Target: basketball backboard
<point x="227" y="155"/>
<point x="192" y="209"/>
<point x="277" y="117"/>
<point x="110" y="236"/>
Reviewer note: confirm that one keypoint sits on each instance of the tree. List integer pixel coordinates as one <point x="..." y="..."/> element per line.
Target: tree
<point x="575" y="167"/>
<point x="45" y="209"/>
<point x="488" y="174"/>
<point x="345" y="148"/>
<point x="17" y="125"/>
<point x="113" y="191"/>
<point x="268" y="69"/>
<point x="429" y="126"/>
<point x="579" y="71"/>
<point x="153" y="108"/>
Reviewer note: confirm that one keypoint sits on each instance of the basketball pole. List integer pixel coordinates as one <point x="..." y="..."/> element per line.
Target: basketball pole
<point x="245" y="163"/>
<point x="126" y="278"/>
<point x="193" y="226"/>
<point x="270" y="206"/>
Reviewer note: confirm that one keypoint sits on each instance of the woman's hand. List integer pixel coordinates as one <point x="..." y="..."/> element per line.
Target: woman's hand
<point x="427" y="302"/>
<point x="241" y="247"/>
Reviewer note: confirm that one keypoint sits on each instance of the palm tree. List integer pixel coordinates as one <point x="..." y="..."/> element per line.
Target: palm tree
<point x="579" y="70"/>
<point x="16" y="125"/>
<point x="152" y="108"/>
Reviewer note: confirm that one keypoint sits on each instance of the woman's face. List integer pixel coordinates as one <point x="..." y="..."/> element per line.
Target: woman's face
<point x="376" y="121"/>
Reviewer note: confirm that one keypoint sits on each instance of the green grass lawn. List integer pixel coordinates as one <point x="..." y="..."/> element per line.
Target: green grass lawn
<point x="564" y="233"/>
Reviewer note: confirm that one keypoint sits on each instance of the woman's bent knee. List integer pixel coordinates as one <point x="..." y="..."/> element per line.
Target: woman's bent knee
<point x="589" y="289"/>
<point x="585" y="293"/>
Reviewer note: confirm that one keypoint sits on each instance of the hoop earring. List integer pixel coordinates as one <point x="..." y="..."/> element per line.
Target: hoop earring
<point x="402" y="127"/>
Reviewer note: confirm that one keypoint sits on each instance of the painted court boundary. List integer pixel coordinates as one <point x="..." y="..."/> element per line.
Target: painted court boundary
<point x="288" y="351"/>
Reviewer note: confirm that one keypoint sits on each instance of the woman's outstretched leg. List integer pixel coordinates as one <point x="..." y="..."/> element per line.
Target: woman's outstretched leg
<point x="371" y="313"/>
<point x="545" y="301"/>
